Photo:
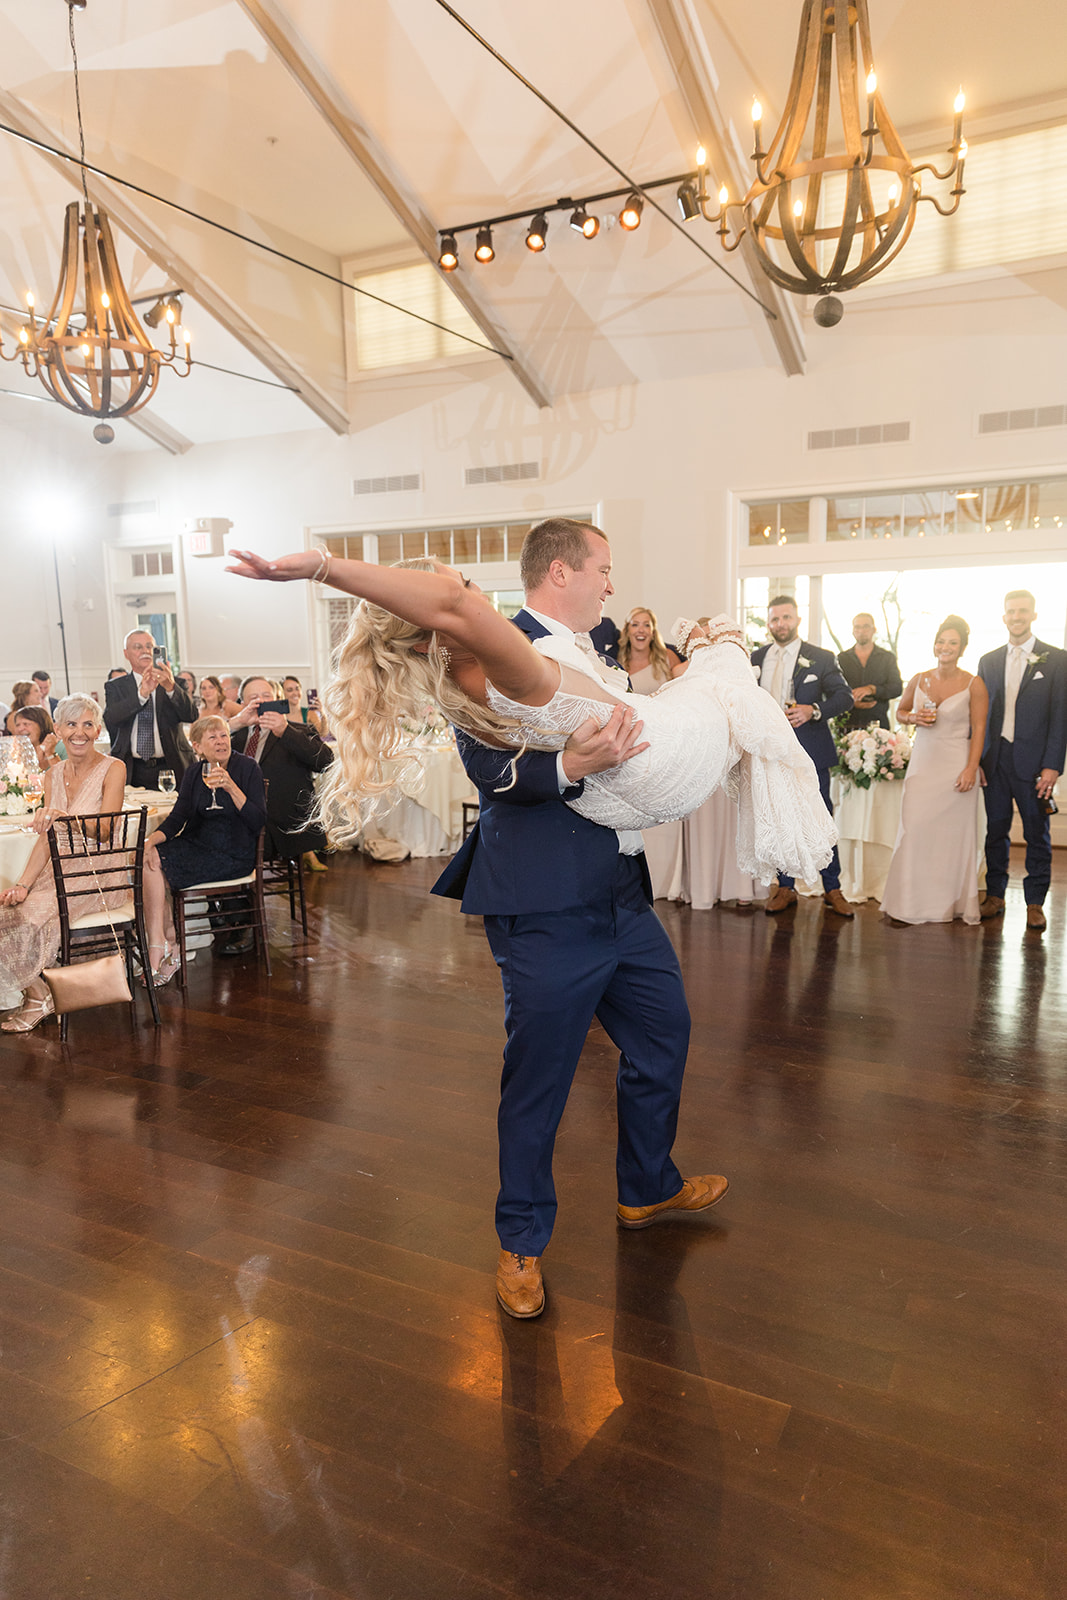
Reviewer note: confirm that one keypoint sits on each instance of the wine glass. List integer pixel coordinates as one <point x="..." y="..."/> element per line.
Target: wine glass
<point x="215" y="805"/>
<point x="929" y="704"/>
<point x="166" y="781"/>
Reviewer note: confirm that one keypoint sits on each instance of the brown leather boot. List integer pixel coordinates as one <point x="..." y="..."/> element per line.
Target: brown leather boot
<point x="992" y="906"/>
<point x="780" y="899"/>
<point x="519" y="1286"/>
<point x="834" y="900"/>
<point x="1035" y="919"/>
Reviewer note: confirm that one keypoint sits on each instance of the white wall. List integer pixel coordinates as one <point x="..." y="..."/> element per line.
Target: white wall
<point x="660" y="461"/>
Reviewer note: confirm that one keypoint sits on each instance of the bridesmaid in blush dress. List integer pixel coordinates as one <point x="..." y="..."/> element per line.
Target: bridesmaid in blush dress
<point x="933" y="876"/>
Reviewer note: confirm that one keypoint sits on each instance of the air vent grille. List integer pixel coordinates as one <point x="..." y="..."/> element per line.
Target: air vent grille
<point x="133" y="508"/>
<point x="1023" y="421"/>
<point x="849" y="438"/>
<point x="512" y="472"/>
<point x="400" y="483"/>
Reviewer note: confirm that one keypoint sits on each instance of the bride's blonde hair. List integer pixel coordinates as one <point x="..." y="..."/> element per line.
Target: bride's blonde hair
<point x="382" y="680"/>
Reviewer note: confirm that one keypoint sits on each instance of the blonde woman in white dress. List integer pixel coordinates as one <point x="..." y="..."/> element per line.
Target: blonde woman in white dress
<point x="432" y="635"/>
<point x="933" y="876"/>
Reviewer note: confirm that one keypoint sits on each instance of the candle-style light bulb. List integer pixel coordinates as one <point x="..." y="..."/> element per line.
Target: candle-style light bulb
<point x="702" y="156"/>
<point x="187" y="336"/>
<point x="798" y="208"/>
<point x="30" y="301"/>
<point x="959" y="102"/>
<point x="894" y="193"/>
<point x="171" y="318"/>
<point x="963" y="151"/>
<point x="724" y="195"/>
<point x="24" y="337"/>
<point x="872" y="81"/>
<point x="86" y="352"/>
<point x="757" y="111"/>
<point x="105" y="300"/>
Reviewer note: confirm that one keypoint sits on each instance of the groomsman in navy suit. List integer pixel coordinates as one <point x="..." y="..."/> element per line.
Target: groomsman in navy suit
<point x="568" y="914"/>
<point x="809" y="686"/>
<point x="1025" y="743"/>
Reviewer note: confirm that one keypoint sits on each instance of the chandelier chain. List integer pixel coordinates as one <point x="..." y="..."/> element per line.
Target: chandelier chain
<point x="78" y="101"/>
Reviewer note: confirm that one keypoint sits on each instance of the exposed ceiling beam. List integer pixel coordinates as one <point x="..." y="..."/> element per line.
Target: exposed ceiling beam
<point x="687" y="49"/>
<point x="133" y="222"/>
<point x="153" y="427"/>
<point x="338" y="112"/>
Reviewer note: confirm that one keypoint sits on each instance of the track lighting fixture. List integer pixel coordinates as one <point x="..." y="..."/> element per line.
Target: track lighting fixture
<point x="168" y="308"/>
<point x="630" y="215"/>
<point x="537" y="233"/>
<point x="584" y="224"/>
<point x="577" y="211"/>
<point x="688" y="204"/>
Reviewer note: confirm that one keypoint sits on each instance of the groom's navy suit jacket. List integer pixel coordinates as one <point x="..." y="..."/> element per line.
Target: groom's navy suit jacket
<point x="1040" y="711"/>
<point x="529" y="852"/>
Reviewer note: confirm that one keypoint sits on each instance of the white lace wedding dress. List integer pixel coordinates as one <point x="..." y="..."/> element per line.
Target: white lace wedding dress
<point x="713" y="727"/>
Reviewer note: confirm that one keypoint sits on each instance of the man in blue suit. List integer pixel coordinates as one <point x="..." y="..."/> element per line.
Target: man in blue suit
<point x="1025" y="744"/>
<point x="808" y="684"/>
<point x="568" y="914"/>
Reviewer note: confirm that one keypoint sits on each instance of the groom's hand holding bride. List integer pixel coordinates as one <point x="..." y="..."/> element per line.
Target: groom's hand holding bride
<point x="591" y="749"/>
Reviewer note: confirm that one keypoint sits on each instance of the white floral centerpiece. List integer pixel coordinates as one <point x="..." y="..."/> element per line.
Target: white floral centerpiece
<point x="20" y="777"/>
<point x="872" y="755"/>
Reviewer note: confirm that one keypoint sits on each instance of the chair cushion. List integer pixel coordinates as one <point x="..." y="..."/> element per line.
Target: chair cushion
<point x="220" y="883"/>
<point x="100" y="919"/>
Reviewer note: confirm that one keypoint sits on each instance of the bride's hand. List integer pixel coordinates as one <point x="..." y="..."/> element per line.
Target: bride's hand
<point x="287" y="569"/>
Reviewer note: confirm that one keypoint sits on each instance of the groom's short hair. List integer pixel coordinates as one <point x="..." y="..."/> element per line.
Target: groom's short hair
<point x="1020" y="594"/>
<point x="557" y="539"/>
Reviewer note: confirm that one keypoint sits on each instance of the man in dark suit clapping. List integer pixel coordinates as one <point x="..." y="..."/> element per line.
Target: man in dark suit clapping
<point x="1025" y="744"/>
<point x="808" y="685"/>
<point x="143" y="713"/>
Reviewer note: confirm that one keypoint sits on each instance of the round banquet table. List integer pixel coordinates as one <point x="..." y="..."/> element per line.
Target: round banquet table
<point x="867" y="823"/>
<point x="16" y="842"/>
<point x="426" y="817"/>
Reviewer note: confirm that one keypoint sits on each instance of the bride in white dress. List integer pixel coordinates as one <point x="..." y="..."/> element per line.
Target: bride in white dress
<point x="428" y="636"/>
<point x="933" y="876"/>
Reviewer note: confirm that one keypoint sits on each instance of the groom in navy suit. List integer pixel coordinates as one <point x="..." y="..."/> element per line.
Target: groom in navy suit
<point x="1025" y="743"/>
<point x="810" y="687"/>
<point x="568" y="915"/>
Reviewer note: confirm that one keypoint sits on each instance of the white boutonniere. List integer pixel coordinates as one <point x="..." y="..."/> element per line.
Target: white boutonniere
<point x="1035" y="661"/>
<point x="802" y="661"/>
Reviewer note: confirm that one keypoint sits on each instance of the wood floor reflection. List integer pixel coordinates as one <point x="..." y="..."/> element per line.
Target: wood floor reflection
<point x="248" y="1341"/>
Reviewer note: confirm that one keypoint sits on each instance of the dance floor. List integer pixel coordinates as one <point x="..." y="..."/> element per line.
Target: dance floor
<point x="249" y="1348"/>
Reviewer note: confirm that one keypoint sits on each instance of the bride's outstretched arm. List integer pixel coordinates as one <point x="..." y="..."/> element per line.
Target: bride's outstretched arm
<point x="436" y="601"/>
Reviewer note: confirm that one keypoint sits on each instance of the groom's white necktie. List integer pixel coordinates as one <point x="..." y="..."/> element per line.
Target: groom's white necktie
<point x="1013" y="677"/>
<point x="609" y="674"/>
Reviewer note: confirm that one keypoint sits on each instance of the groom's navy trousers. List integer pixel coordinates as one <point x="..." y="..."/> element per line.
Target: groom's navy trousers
<point x="571" y="927"/>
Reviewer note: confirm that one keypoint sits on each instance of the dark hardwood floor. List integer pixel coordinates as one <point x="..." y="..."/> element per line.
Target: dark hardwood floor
<point x="248" y="1341"/>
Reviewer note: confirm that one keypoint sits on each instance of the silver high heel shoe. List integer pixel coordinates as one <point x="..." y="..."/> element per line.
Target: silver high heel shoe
<point x="29" y="1014"/>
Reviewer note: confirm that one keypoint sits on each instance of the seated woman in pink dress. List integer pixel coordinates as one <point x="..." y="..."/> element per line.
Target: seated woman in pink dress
<point x="85" y="783"/>
<point x="933" y="876"/>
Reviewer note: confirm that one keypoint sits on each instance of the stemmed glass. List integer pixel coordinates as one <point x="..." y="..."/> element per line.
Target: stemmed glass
<point x="214" y="806"/>
<point x="166" y="781"/>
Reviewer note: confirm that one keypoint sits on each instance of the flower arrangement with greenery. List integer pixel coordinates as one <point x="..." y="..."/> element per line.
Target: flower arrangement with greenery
<point x="871" y="755"/>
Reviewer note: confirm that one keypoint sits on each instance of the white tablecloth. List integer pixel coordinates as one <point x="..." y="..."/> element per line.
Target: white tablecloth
<point x="867" y="821"/>
<point x="426" y="819"/>
<point x="15" y="847"/>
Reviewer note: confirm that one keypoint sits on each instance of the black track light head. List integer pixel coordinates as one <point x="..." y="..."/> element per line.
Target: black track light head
<point x="537" y="233"/>
<point x="483" y="247"/>
<point x="448" y="260"/>
<point x="584" y="224"/>
<point x="687" y="201"/>
<point x="630" y="215"/>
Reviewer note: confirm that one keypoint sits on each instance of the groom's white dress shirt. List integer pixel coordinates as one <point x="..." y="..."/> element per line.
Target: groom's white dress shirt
<point x="561" y="645"/>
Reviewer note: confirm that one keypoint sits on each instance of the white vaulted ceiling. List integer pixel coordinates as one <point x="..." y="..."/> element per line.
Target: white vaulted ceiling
<point x="338" y="129"/>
